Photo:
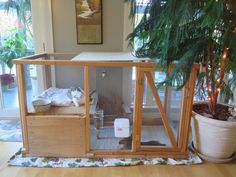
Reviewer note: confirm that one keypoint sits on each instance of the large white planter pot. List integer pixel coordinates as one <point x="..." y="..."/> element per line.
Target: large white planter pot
<point x="212" y="138"/>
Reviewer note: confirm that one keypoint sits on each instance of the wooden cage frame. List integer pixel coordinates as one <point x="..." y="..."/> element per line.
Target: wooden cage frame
<point x="178" y="148"/>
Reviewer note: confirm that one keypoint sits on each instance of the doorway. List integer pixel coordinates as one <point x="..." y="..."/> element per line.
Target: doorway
<point x="16" y="40"/>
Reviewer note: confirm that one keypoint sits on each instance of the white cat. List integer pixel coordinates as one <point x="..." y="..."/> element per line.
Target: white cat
<point x="76" y="95"/>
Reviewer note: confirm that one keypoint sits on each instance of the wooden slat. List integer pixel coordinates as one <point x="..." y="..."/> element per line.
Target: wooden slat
<point x="144" y="149"/>
<point x="84" y="63"/>
<point x="186" y="116"/>
<point x="139" y="87"/>
<point x="176" y="155"/>
<point x="61" y="110"/>
<point x="22" y="105"/>
<point x="184" y="104"/>
<point x="61" y="55"/>
<point x="161" y="109"/>
<point x="42" y="55"/>
<point x="140" y="108"/>
<point x="56" y="137"/>
<point x="29" y="116"/>
<point x="126" y="154"/>
<point x="159" y="149"/>
<point x="87" y="106"/>
<point x="35" y="59"/>
<point x="148" y="69"/>
<point x="31" y="60"/>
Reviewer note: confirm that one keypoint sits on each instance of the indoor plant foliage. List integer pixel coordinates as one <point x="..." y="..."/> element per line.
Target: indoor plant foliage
<point x="188" y="32"/>
<point x="13" y="47"/>
<point x="20" y="42"/>
<point x="22" y="8"/>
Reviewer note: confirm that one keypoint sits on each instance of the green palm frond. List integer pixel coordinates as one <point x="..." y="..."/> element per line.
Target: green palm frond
<point x="187" y="32"/>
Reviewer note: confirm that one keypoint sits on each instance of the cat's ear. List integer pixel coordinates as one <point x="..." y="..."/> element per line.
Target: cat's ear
<point x="81" y="90"/>
<point x="92" y="92"/>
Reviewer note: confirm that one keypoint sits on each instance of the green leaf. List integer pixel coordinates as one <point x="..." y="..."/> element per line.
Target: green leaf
<point x="181" y="31"/>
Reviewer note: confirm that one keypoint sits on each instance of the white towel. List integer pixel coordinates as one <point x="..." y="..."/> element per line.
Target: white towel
<point x="58" y="96"/>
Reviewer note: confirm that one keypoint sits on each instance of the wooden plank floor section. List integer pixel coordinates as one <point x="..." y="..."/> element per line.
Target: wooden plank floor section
<point x="204" y="170"/>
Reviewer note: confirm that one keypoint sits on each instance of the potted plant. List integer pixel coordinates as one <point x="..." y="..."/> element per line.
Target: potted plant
<point x="7" y="80"/>
<point x="20" y="42"/>
<point x="188" y="32"/>
<point x="14" y="46"/>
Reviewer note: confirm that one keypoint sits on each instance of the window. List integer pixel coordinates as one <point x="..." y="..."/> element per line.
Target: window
<point x="16" y="40"/>
<point x="148" y="99"/>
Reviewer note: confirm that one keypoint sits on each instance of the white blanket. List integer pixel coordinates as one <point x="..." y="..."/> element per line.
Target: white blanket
<point x="61" y="97"/>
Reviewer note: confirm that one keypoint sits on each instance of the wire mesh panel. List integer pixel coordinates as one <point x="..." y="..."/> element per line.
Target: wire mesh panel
<point x="161" y="112"/>
<point x="111" y="125"/>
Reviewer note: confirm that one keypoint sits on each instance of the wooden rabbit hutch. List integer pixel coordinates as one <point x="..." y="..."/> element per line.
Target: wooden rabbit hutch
<point x="69" y="131"/>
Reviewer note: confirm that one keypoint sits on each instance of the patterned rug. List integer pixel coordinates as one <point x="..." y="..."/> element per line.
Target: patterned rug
<point x="10" y="130"/>
<point x="18" y="160"/>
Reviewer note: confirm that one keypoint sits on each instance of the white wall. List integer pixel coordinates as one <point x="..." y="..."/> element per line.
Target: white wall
<point x="42" y="25"/>
<point x="116" y="27"/>
<point x="43" y="35"/>
<point x="64" y="27"/>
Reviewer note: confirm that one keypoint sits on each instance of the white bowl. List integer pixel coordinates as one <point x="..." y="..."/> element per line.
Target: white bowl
<point x="41" y="105"/>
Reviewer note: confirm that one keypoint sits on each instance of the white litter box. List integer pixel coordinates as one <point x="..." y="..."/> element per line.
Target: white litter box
<point x="121" y="127"/>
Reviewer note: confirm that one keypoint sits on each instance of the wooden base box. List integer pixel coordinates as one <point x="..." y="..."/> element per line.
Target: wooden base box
<point x="56" y="137"/>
